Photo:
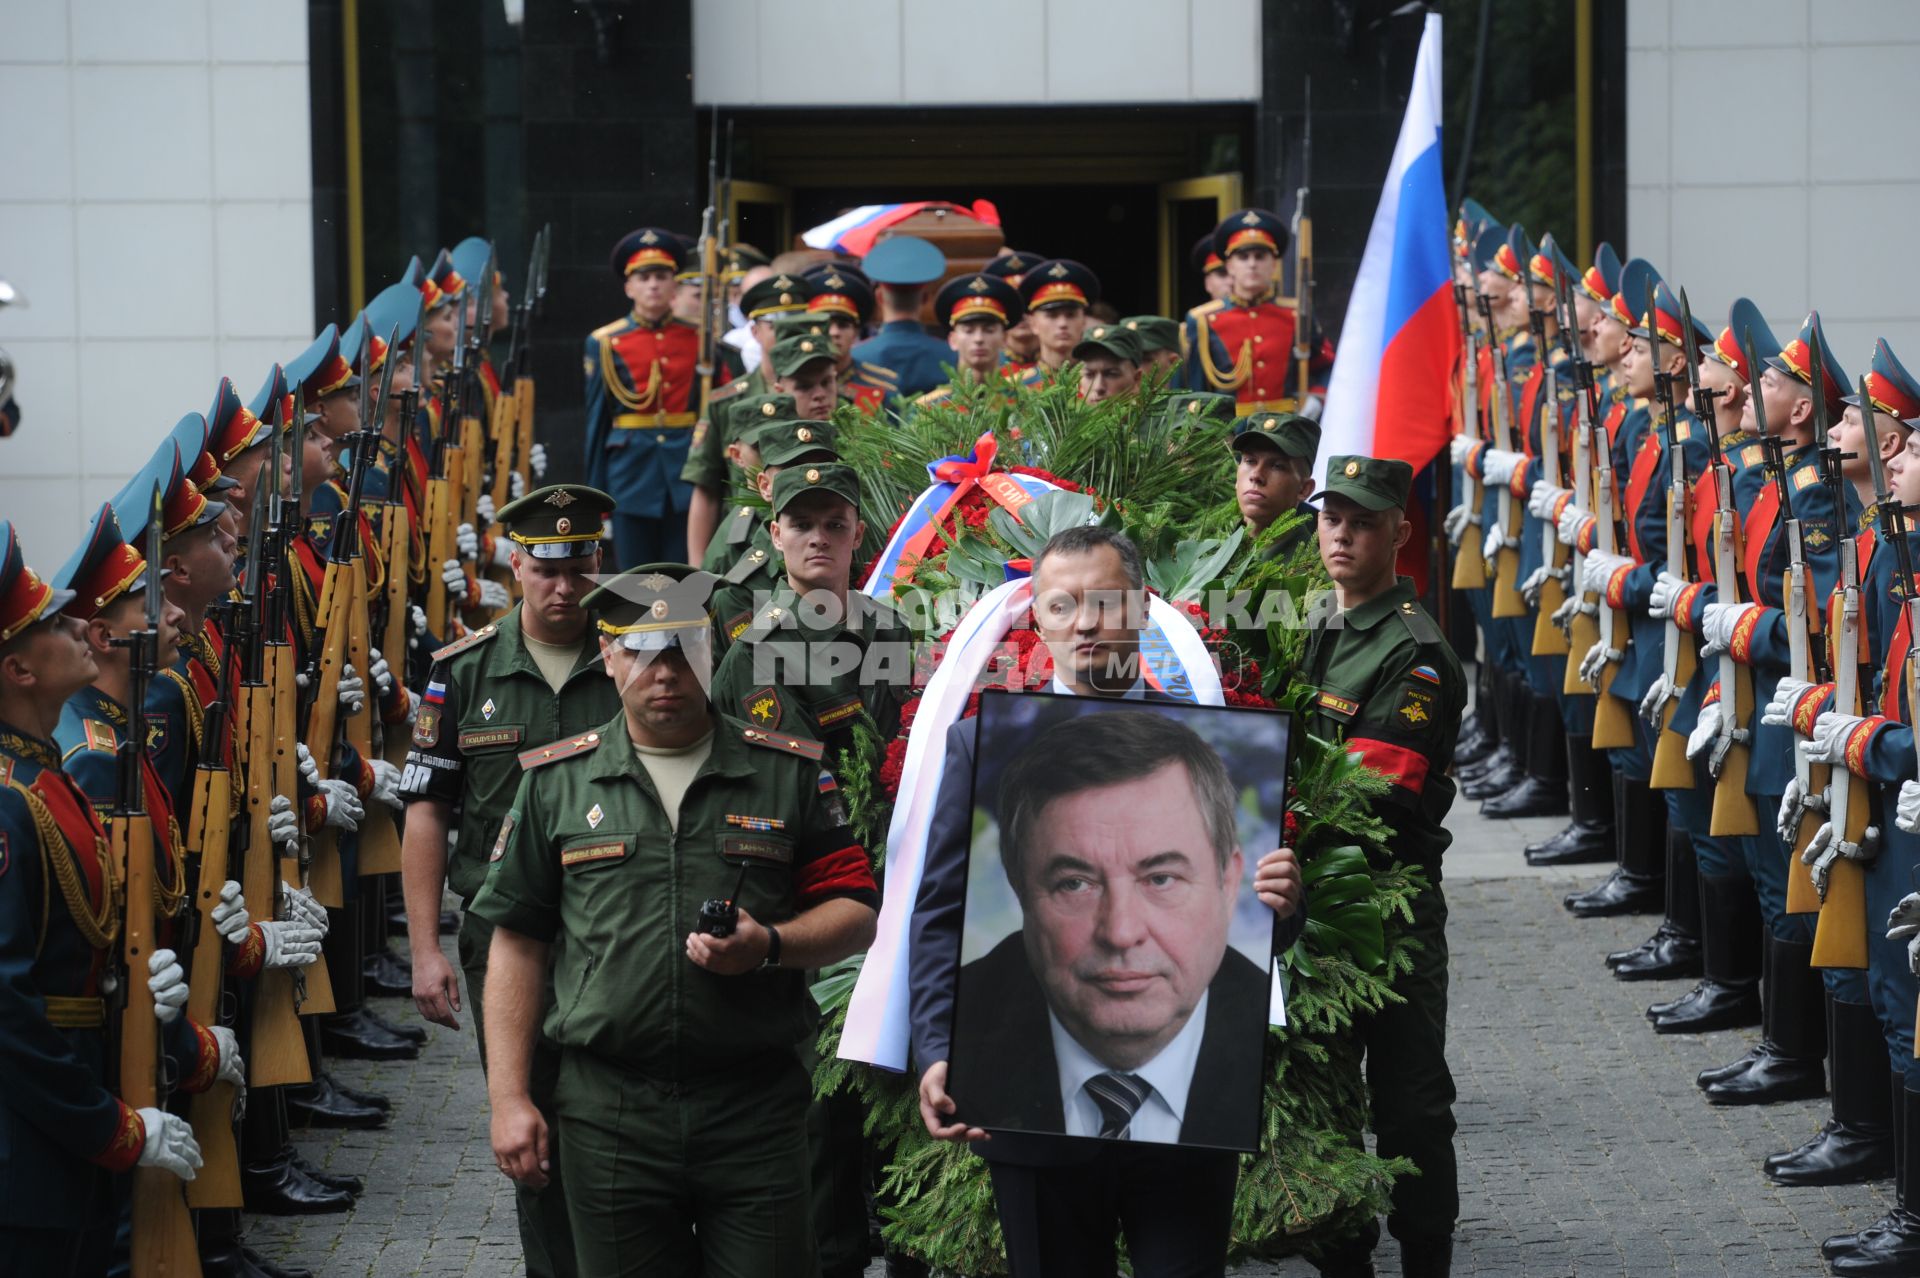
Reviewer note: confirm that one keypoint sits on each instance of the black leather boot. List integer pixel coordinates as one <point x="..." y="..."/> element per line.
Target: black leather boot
<point x="332" y="1180"/>
<point x="275" y="1187"/>
<point x="1430" y="1257"/>
<point x="1728" y="996"/>
<point x="1589" y="837"/>
<point x="1675" y="950"/>
<point x="1544" y="791"/>
<point x="415" y="1034"/>
<point x="1482" y="728"/>
<point x="1841" y="1243"/>
<point x="1505" y="767"/>
<point x="1638" y="884"/>
<point x="1892" y="1244"/>
<point x="1790" y="1062"/>
<point x="1737" y="947"/>
<point x="355" y="1035"/>
<point x="387" y="974"/>
<point x="359" y="1097"/>
<point x="322" y="1104"/>
<point x="272" y="1270"/>
<point x="1856" y="1144"/>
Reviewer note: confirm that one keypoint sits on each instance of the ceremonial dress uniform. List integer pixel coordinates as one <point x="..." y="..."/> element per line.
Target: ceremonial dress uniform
<point x="1257" y="332"/>
<point x="903" y="346"/>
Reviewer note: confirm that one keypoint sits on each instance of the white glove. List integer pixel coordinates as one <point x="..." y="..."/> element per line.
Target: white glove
<point x="1599" y="570"/>
<point x="537" y="461"/>
<point x="291" y="943"/>
<point x="1572" y="520"/>
<point x="1563" y="615"/>
<point x="482" y="509"/>
<point x="1826" y="847"/>
<point x="169" y="1143"/>
<point x="386" y="783"/>
<point x="1456" y="523"/>
<point x="503" y="552"/>
<point x="344" y="811"/>
<point x="1594" y="663"/>
<point x="309" y="770"/>
<point x="455" y="579"/>
<point x="1491" y="542"/>
<point x="1791" y="806"/>
<point x="1541" y="501"/>
<point x="1497" y="466"/>
<point x="418" y="616"/>
<point x="301" y="907"/>
<point x="1828" y="744"/>
<point x="1530" y="588"/>
<point x="1705" y="731"/>
<point x="1458" y="447"/>
<point x="230" y="917"/>
<point x="1906" y="808"/>
<point x="1666" y="588"/>
<point x="1903" y="924"/>
<point x="1717" y="624"/>
<point x="493" y="595"/>
<point x="167" y="982"/>
<point x="283" y="827"/>
<point x="300" y="680"/>
<point x="467" y="540"/>
<point x="231" y="1069"/>
<point x="353" y="690"/>
<point x="1779" y="710"/>
<point x="1656" y="699"/>
<point x="413" y="704"/>
<point x="382" y="672"/>
<point x="517" y="487"/>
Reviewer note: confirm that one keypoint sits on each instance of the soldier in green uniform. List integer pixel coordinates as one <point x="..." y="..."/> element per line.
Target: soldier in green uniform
<point x="527" y="679"/>
<point x="684" y="870"/>
<point x="1159" y="342"/>
<point x="1109" y="357"/>
<point x="1275" y="452"/>
<point x="1391" y="688"/>
<point x="748" y="561"/>
<point x="715" y="464"/>
<point x="815" y="654"/>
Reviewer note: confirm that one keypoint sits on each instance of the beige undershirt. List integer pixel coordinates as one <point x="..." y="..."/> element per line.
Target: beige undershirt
<point x="673" y="771"/>
<point x="556" y="660"/>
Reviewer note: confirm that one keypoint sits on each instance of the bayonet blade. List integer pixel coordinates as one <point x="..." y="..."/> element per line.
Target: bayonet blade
<point x="156" y="526"/>
<point x="297" y="445"/>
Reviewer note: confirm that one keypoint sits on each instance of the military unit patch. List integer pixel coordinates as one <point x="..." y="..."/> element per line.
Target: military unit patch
<point x="1416" y="707"/>
<point x="426" y="726"/>
<point x="100" y="736"/>
<point x="506" y="832"/>
<point x="762" y="707"/>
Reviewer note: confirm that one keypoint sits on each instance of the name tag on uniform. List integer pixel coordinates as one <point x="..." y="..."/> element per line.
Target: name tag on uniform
<point x="483" y="738"/>
<point x="1340" y="706"/>
<point x="775" y="851"/>
<point x="588" y="853"/>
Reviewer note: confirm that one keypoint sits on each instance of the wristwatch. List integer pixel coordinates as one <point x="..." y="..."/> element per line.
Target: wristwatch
<point x="773" y="948"/>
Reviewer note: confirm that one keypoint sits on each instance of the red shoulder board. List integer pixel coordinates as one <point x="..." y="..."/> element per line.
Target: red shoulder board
<point x="805" y="747"/>
<point x="471" y="639"/>
<point x="554" y="751"/>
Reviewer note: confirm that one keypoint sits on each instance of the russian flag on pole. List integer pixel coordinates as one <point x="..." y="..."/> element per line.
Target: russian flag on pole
<point x="1389" y="394"/>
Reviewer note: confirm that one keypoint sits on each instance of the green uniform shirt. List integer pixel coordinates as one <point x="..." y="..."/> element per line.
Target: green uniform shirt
<point x="586" y="859"/>
<point x="1391" y="686"/>
<point x="707" y="465"/>
<point x="743" y="530"/>
<point x="814" y="679"/>
<point x="486" y="701"/>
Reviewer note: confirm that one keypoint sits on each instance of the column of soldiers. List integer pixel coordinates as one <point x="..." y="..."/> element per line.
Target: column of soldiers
<point x="1686" y="550"/>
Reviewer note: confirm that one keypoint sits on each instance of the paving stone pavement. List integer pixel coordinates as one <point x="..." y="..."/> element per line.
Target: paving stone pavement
<point x="1584" y="1146"/>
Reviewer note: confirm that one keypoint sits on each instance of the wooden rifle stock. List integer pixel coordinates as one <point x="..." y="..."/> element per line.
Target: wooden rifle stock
<point x="1506" y="577"/>
<point x="1469" y="566"/>
<point x="1548" y="639"/>
<point x="523" y="425"/>
<point x="1840" y="937"/>
<point x="210" y="833"/>
<point x="1671" y="768"/>
<point x="379" y="842"/>
<point x="323" y="724"/>
<point x="1797" y="591"/>
<point x="441" y="607"/>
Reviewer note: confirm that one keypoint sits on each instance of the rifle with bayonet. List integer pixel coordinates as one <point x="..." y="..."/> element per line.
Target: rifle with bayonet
<point x="473" y="397"/>
<point x="1469" y="567"/>
<point x="1734" y="814"/>
<point x="1671" y="770"/>
<point x="162" y="1236"/>
<point x="530" y="306"/>
<point x="1303" y="257"/>
<point x="1612" y="718"/>
<point x="1582" y="628"/>
<point x="709" y="249"/>
<point x="447" y="461"/>
<point x="1840" y="937"/>
<point x="1548" y="639"/>
<point x="276" y="1049"/>
<point x="1506" y="593"/>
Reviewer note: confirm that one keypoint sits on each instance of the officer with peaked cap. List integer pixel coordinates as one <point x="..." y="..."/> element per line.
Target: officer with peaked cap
<point x="843" y="299"/>
<point x="1011" y="265"/>
<point x="904" y="266"/>
<point x="328" y="381"/>
<point x="526" y="680"/>
<point x="978" y="311"/>
<point x="687" y="1107"/>
<point x="1058" y="294"/>
<point x="1255" y="324"/>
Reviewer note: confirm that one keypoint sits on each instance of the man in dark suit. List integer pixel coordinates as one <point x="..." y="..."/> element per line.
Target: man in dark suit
<point x="1118" y="1009"/>
<point x="1062" y="1201"/>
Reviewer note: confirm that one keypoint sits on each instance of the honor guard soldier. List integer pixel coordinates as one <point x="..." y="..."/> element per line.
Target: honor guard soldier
<point x="748" y="562"/>
<point x="329" y="382"/>
<point x="1058" y="294"/>
<point x="843" y="299"/>
<point x="1023" y="346"/>
<point x="67" y="1137"/>
<point x="978" y="311"/>
<point x="1109" y="357"/>
<point x="530" y="678"/>
<point x="682" y="871"/>
<point x="766" y="303"/>
<point x="1212" y="268"/>
<point x="1256" y="327"/>
<point x="641" y="384"/>
<point x="904" y="266"/>
<point x="1273" y="474"/>
<point x="815" y="654"/>
<point x="1391" y="687"/>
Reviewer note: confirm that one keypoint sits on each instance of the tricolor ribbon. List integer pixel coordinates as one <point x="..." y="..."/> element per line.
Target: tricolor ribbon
<point x="953" y="479"/>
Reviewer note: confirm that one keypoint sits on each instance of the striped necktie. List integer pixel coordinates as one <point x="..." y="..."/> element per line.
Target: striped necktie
<point x="1119" y="1097"/>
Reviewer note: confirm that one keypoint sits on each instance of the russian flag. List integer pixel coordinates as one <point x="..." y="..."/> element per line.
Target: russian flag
<point x="855" y="231"/>
<point x="1389" y="393"/>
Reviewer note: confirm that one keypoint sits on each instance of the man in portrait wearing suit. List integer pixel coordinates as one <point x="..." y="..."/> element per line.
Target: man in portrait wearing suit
<point x="1118" y="1008"/>
<point x="1062" y="1202"/>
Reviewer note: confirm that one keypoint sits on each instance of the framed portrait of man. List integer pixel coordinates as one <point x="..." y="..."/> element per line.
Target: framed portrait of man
<point x="1115" y="963"/>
